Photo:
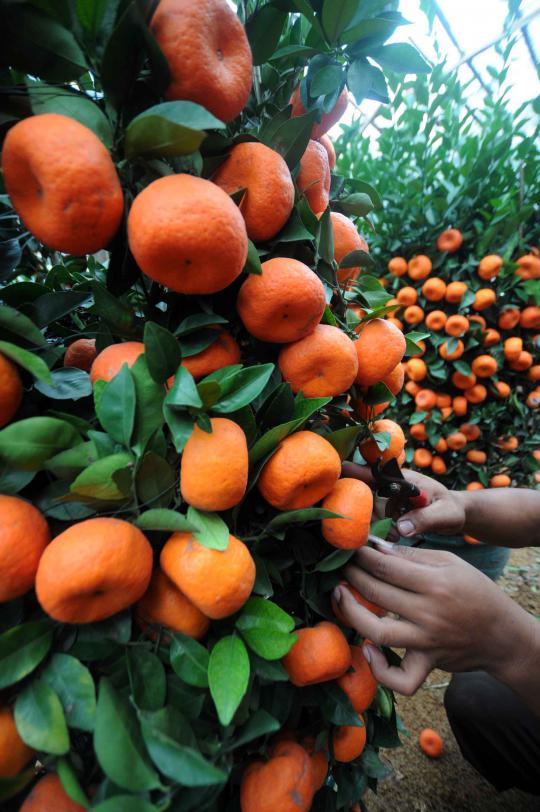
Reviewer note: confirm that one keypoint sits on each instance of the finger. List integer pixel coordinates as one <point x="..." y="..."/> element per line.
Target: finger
<point x="405" y="679"/>
<point x="382" y="631"/>
<point x="392" y="598"/>
<point x="435" y="517"/>
<point x="362" y="472"/>
<point x="397" y="565"/>
<point x="393" y="535"/>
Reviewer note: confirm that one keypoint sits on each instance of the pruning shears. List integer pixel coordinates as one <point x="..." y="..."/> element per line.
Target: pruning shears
<point x="395" y="495"/>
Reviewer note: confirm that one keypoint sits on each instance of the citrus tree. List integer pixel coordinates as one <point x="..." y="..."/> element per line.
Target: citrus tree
<point x="461" y="260"/>
<point x="189" y="338"/>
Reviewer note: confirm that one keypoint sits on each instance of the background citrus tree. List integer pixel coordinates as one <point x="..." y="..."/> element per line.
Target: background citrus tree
<point x="442" y="165"/>
<point x="113" y="380"/>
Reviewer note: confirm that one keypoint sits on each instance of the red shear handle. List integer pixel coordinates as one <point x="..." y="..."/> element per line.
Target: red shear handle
<point x="420" y="501"/>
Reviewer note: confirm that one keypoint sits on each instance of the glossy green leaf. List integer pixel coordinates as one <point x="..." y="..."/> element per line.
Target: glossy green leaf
<point x="101" y="481"/>
<point x="400" y="57"/>
<point x="22" y="648"/>
<point x="189" y="660"/>
<point x="74" y="686"/>
<point x="146" y="678"/>
<point x="17" y="324"/>
<point x="169" y="128"/>
<point x="210" y="529"/>
<point x="163" y="519"/>
<point x="40" y="719"/>
<point x="266" y="628"/>
<point x="117" y="405"/>
<point x="27" y="360"/>
<point x="27" y="444"/>
<point x="163" y="354"/>
<point x="228" y="676"/>
<point x="66" y="383"/>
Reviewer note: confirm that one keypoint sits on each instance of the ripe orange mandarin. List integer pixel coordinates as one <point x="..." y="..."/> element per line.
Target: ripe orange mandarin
<point x="14" y="753"/>
<point x="330" y="151"/>
<point x="359" y="684"/>
<point x="349" y="741"/>
<point x="431" y="743"/>
<point x="285" y="782"/>
<point x="490" y="266"/>
<point x="321" y="364"/>
<point x="108" y="363"/>
<point x="449" y="240"/>
<point x="419" y="267"/>
<point x="81" y="354"/>
<point x="455" y="292"/>
<point x="397" y="266"/>
<point x="321" y="653"/>
<point x="222" y="352"/>
<point x="165" y="605"/>
<point x="434" y="289"/>
<point x="313" y="179"/>
<point x="49" y="795"/>
<point x="380" y="347"/>
<point x="352" y="499"/>
<point x="346" y="240"/>
<point x="327" y="120"/>
<point x="370" y="450"/>
<point x="11" y="390"/>
<point x="24" y="535"/>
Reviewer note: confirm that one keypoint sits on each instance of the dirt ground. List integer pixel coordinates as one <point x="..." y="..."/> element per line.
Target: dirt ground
<point x="449" y="784"/>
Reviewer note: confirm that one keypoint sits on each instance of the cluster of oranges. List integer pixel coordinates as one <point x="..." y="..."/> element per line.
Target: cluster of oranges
<point x="480" y="350"/>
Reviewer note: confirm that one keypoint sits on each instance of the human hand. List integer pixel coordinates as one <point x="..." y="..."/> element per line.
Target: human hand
<point x="451" y="616"/>
<point x="445" y="513"/>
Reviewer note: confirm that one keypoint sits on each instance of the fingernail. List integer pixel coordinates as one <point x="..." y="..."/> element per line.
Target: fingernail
<point x="337" y="595"/>
<point x="384" y="545"/>
<point x="406" y="528"/>
<point x="366" y="650"/>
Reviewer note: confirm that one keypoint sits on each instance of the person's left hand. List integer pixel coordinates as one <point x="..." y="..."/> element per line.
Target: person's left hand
<point x="451" y="616"/>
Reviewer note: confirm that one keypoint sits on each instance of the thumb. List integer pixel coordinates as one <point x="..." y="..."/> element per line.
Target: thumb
<point x="422" y="520"/>
<point x="405" y="678"/>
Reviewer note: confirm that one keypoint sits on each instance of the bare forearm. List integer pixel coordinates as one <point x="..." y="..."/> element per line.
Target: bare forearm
<point x="508" y="517"/>
<point x="519" y="665"/>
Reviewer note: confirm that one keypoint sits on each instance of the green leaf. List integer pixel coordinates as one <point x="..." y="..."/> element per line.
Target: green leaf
<point x="27" y="360"/>
<point x="344" y="440"/>
<point x="27" y="444"/>
<point x="117" y="315"/>
<point x="116" y="407"/>
<point x="183" y="392"/>
<point x="462" y="367"/>
<point x="22" y="648"/>
<point x="198" y="320"/>
<point x="189" y="660"/>
<point x="40" y="719"/>
<point x="100" y="480"/>
<point x="292" y="137"/>
<point x="177" y="760"/>
<point x="336" y="706"/>
<point x="411" y="347"/>
<point x="55" y="305"/>
<point x="336" y="16"/>
<point x="149" y="397"/>
<point x="69" y="463"/>
<point x="327" y="80"/>
<point x="264" y="29"/>
<point x="118" y="744"/>
<point x="171" y="128"/>
<point x="73" y="684"/>
<point x="125" y="803"/>
<point x="66" y="383"/>
<point x="266" y="628"/>
<point x="155" y="480"/>
<point x="20" y="325"/>
<point x="210" y="529"/>
<point x="381" y="527"/>
<point x="299" y="517"/>
<point x="181" y="425"/>
<point x="228" y="676"/>
<point x="253" y="262"/>
<point x="146" y="678"/>
<point x="243" y="387"/>
<point x="326" y="238"/>
<point x="365" y="81"/>
<point x="70" y="782"/>
<point x="163" y="519"/>
<point x="163" y="354"/>
<point x="334" y="561"/>
<point x="400" y="57"/>
<point x="48" y="99"/>
<point x="359" y="204"/>
<point x="260" y="724"/>
<point x="271" y="439"/>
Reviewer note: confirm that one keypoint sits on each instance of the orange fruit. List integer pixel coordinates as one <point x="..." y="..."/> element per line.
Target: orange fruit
<point x="418" y="432"/>
<point x="431" y="743"/>
<point x="536" y="454"/>
<point x="164" y="604"/>
<point x="81" y="354"/>
<point x="93" y="570"/>
<point x="110" y="361"/>
<point x="359" y="599"/>
<point x="474" y="486"/>
<point x="456" y="441"/>
<point x="24" y="535"/>
<point x="11" y="390"/>
<point x="462" y="381"/>
<point x="14" y="753"/>
<point x="321" y="653"/>
<point x="456" y="325"/>
<point x="530" y="318"/>
<point x="491" y="337"/>
<point x="395" y="322"/>
<point x="321" y="364"/>
<point x="436" y="320"/>
<point x="460" y="406"/>
<point x="415" y="369"/>
<point x="208" y="54"/>
<point x="484" y="366"/>
<point x="441" y="445"/>
<point x="471" y="539"/>
<point x="455" y="291"/>
<point x="449" y="240"/>
<point x="62" y="183"/>
<point x="490" y="266"/>
<point x="359" y="684"/>
<point x="397" y="266"/>
<point x="421" y="344"/>
<point x="484" y="298"/>
<point x="214" y="466"/>
<point x="476" y="456"/>
<point x="413" y="314"/>
<point x="419" y="267"/>
<point x="438" y="466"/>
<point x="470" y="430"/>
<point x="534" y="373"/>
<point x="422" y="458"/>
<point x="313" y="178"/>
<point x="354" y="500"/>
<point x="476" y="393"/>
<point x="425" y="399"/>
<point x="394" y="380"/>
<point x="369" y="449"/>
<point x="510" y="443"/>
<point x="500" y="481"/>
<point x="434" y="289"/>
<point x="187" y="234"/>
<point x="48" y="795"/>
<point x="380" y="347"/>
<point x="286" y="782"/>
<point x="443" y="399"/>
<point x="513" y="346"/>
<point x="503" y="389"/>
<point x="285" y="303"/>
<point x="217" y="582"/>
<point x="346" y="239"/>
<point x="528" y="267"/>
<point x="446" y="412"/>
<point x="533" y="399"/>
<point x="411" y="387"/>
<point x="319" y="761"/>
<point x="327" y="120"/>
<point x="222" y="352"/>
<point x="522" y="362"/>
<point x="302" y="471"/>
<point x="349" y="741"/>
<point x="509" y="318"/>
<point x="407" y="295"/>
<point x="456" y="353"/>
<point x="330" y="151"/>
<point x="366" y="411"/>
<point x="476" y="319"/>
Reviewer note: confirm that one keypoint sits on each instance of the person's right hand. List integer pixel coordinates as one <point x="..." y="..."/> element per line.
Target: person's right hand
<point x="445" y="513"/>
